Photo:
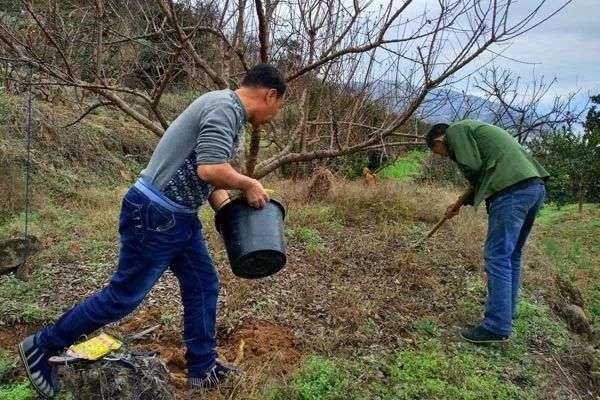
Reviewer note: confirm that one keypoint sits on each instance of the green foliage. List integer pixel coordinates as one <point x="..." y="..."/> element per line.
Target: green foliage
<point x="428" y="325"/>
<point x="534" y="328"/>
<point x="406" y="167"/>
<point x="443" y="170"/>
<point x="428" y="371"/>
<point x="592" y="119"/>
<point x="436" y="368"/>
<point x="352" y="165"/>
<point x="573" y="161"/>
<point x="167" y="320"/>
<point x="20" y="299"/>
<point x="6" y="365"/>
<point x="310" y="236"/>
<point x="17" y="391"/>
<point x="317" y="379"/>
<point x="572" y="242"/>
<point x="594" y="305"/>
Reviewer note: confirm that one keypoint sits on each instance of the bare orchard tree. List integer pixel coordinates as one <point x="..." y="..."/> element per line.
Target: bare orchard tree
<point x="523" y="109"/>
<point x="519" y="108"/>
<point x="357" y="72"/>
<point x="392" y="57"/>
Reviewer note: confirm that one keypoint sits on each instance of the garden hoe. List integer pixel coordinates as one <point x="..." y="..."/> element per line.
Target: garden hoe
<point x="437" y="226"/>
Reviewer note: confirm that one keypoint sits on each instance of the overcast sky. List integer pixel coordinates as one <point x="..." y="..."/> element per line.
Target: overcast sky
<point x="566" y="47"/>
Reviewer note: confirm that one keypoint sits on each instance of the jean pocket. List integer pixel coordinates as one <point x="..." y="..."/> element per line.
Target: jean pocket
<point x="130" y="220"/>
<point x="130" y="206"/>
<point x="158" y="219"/>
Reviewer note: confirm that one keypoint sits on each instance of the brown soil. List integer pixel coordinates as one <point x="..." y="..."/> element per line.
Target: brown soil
<point x="255" y="345"/>
<point x="261" y="343"/>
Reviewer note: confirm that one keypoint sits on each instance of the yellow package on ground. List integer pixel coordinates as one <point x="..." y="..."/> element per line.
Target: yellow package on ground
<point x="94" y="348"/>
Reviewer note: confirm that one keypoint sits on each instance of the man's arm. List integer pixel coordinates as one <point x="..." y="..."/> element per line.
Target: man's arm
<point x="223" y="176"/>
<point x="465" y="152"/>
<point x="464" y="149"/>
<point x="213" y="151"/>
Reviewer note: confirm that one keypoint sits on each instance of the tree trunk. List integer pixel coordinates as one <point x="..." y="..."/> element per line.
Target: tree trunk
<point x="580" y="197"/>
<point x="99" y="44"/>
<point x="253" y="151"/>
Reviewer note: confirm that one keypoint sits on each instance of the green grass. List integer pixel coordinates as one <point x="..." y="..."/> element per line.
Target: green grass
<point x="533" y="326"/>
<point x="318" y="378"/>
<point x="436" y="368"/>
<point x="19" y="299"/>
<point x="23" y="391"/>
<point x="551" y="212"/>
<point x="80" y="229"/>
<point x="17" y="391"/>
<point x="572" y="242"/>
<point x="310" y="236"/>
<point x="430" y="370"/>
<point x="428" y="325"/>
<point x="6" y="365"/>
<point x="404" y="168"/>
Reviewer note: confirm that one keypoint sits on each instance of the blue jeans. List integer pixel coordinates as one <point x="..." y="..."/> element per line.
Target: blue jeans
<point x="510" y="220"/>
<point x="155" y="234"/>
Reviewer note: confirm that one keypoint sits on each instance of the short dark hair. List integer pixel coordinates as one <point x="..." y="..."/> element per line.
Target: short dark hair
<point x="265" y="76"/>
<point x="435" y="131"/>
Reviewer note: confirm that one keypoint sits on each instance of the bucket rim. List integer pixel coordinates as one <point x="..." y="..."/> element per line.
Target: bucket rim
<point x="218" y="214"/>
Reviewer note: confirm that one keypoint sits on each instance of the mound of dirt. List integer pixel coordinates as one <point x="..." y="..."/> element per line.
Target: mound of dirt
<point x="569" y="292"/>
<point x="573" y="315"/>
<point x="255" y="345"/>
<point x="261" y="343"/>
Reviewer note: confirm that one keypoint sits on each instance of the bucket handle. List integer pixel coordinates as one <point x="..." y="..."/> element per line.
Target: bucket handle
<point x="270" y="192"/>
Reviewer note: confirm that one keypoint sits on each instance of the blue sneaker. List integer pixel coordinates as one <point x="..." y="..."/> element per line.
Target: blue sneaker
<point x="43" y="376"/>
<point x="217" y="375"/>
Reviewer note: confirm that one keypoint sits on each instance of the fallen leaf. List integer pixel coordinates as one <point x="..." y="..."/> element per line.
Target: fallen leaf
<point x="126" y="174"/>
<point x="48" y="241"/>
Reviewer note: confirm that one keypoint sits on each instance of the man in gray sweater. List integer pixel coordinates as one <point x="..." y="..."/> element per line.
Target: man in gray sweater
<point x="159" y="228"/>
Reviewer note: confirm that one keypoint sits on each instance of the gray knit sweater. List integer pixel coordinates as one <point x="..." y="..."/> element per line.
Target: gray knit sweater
<point x="207" y="132"/>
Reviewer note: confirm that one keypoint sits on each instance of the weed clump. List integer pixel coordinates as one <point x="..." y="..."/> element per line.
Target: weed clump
<point x="139" y="378"/>
<point x="320" y="185"/>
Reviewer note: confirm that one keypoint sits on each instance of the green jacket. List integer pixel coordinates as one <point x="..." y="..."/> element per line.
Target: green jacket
<point x="490" y="158"/>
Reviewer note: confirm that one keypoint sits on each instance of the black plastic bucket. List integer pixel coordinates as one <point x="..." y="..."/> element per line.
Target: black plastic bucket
<point x="254" y="238"/>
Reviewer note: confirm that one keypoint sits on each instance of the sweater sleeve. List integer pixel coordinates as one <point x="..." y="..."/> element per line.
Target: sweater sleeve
<point x="216" y="136"/>
<point x="463" y="149"/>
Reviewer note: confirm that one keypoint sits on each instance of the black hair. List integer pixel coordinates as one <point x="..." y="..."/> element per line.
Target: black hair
<point x="435" y="131"/>
<point x="265" y="76"/>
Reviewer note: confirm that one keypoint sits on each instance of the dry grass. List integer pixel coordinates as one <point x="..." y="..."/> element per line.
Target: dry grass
<point x="100" y="150"/>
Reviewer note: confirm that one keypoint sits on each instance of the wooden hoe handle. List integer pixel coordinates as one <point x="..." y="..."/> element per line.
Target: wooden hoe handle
<point x="459" y="202"/>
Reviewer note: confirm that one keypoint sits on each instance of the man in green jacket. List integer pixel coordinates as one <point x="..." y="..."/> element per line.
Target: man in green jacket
<point x="512" y="184"/>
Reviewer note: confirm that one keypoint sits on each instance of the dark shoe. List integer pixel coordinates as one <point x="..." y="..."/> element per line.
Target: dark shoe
<point x="217" y="375"/>
<point x="482" y="335"/>
<point x="43" y="376"/>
